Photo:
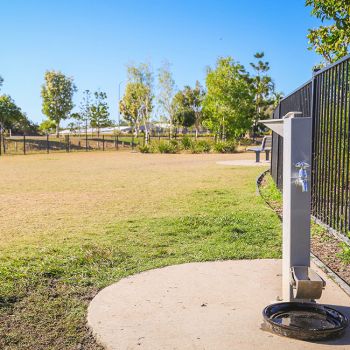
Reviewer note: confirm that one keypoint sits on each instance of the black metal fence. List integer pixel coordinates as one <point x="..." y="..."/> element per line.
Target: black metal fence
<point x="12" y="145"/>
<point x="326" y="98"/>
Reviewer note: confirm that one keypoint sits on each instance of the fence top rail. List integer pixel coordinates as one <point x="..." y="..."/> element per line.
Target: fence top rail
<point x="330" y="66"/>
<point x="296" y="90"/>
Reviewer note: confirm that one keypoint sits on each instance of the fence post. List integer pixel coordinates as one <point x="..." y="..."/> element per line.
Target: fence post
<point x="314" y="121"/>
<point x="132" y="142"/>
<point x="67" y="143"/>
<point x="24" y="144"/>
<point x="4" y="143"/>
<point x="117" y="142"/>
<point x="103" y="142"/>
<point x="86" y="141"/>
<point x="47" y="144"/>
<point x="0" y="142"/>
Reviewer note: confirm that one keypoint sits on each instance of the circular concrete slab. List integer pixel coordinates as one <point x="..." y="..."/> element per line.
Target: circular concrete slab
<point x="212" y="306"/>
<point x="243" y="162"/>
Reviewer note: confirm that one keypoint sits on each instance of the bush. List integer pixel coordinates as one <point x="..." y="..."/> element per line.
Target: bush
<point x="205" y="146"/>
<point x="167" y="147"/>
<point x="186" y="142"/>
<point x="200" y="147"/>
<point x="225" y="147"/>
<point x="145" y="149"/>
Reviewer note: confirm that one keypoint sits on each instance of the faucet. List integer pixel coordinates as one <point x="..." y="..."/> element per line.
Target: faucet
<point x="303" y="176"/>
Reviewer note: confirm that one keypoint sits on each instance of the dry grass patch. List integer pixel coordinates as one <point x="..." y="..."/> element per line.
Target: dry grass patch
<point x="74" y="223"/>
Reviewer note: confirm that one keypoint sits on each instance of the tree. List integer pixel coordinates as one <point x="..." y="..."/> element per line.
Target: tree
<point x="262" y="89"/>
<point x="12" y="118"/>
<point x="10" y="113"/>
<point x="182" y="113"/>
<point x="141" y="73"/>
<point x="166" y="93"/>
<point x="47" y="126"/>
<point x="85" y="109"/>
<point x="228" y="103"/>
<point x="331" y="41"/>
<point x="137" y="103"/>
<point x="100" y="112"/>
<point x="57" y="95"/>
<point x="187" y="106"/>
<point x="194" y="99"/>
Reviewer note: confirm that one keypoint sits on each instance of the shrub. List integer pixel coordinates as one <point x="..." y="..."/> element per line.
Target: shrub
<point x="167" y="147"/>
<point x="225" y="147"/>
<point x="195" y="148"/>
<point x="175" y="144"/>
<point x="145" y="149"/>
<point x="186" y="142"/>
<point x="204" y="145"/>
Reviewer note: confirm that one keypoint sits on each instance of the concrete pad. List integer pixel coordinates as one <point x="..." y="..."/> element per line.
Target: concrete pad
<point x="211" y="306"/>
<point x="244" y="162"/>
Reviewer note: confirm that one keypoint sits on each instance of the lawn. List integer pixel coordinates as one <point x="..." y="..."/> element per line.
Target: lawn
<point x="74" y="223"/>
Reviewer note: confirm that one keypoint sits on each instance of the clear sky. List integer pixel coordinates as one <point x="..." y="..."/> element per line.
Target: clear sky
<point x="93" y="40"/>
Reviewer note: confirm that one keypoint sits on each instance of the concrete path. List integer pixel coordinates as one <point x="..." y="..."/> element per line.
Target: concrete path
<point x="243" y="162"/>
<point x="204" y="306"/>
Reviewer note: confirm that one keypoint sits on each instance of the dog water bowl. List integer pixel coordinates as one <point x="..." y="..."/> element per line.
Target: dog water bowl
<point x="304" y="321"/>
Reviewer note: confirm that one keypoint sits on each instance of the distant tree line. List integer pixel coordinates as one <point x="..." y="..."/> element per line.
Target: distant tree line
<point x="230" y="104"/>
<point x="12" y="117"/>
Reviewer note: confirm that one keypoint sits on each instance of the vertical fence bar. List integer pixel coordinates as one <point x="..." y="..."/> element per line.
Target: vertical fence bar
<point x="0" y="142"/>
<point x="326" y="100"/>
<point x="337" y="173"/>
<point x="24" y="144"/>
<point x="132" y="142"/>
<point x="345" y="168"/>
<point x="347" y="146"/>
<point x="312" y="96"/>
<point x="103" y="142"/>
<point x="47" y="143"/>
<point x="317" y="143"/>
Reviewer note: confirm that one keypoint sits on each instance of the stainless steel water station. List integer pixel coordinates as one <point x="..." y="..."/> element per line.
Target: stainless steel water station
<point x="299" y="281"/>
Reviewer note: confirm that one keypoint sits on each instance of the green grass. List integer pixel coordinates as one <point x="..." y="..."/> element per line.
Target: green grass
<point x="46" y="284"/>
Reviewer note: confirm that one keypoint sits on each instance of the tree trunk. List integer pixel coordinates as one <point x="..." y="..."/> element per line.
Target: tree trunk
<point x="57" y="130"/>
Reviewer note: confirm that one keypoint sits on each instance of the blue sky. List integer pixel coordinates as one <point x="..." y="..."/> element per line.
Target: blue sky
<point x="93" y="40"/>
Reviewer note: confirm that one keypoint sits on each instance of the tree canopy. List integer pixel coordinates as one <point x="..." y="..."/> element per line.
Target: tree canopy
<point x="99" y="112"/>
<point x="137" y="103"/>
<point x="262" y="88"/>
<point x="228" y="104"/>
<point x="57" y="94"/>
<point x="11" y="116"/>
<point x="166" y="92"/>
<point x="187" y="106"/>
<point x="332" y="40"/>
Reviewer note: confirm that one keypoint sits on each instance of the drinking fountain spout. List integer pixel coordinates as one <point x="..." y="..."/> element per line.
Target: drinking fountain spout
<point x="303" y="178"/>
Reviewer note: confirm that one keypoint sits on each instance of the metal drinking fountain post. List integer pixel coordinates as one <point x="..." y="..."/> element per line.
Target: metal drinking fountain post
<point x="299" y="282"/>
